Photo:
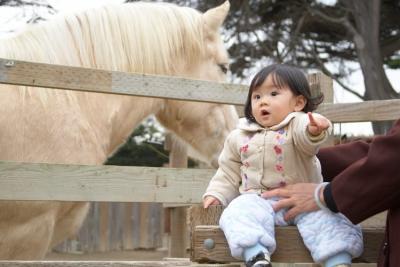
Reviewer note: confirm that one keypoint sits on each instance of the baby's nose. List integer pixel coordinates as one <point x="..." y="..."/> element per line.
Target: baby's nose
<point x="264" y="100"/>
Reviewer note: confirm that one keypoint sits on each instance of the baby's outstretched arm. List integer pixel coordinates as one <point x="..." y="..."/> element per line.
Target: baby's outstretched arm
<point x="317" y="124"/>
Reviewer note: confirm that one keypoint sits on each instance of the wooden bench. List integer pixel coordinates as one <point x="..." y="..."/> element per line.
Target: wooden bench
<point x="208" y="243"/>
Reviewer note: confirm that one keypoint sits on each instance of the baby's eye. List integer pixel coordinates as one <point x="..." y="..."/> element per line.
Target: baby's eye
<point x="274" y="93"/>
<point x="256" y="97"/>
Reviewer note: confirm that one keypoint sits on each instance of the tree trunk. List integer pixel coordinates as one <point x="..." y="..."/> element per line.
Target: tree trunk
<point x="366" y="15"/>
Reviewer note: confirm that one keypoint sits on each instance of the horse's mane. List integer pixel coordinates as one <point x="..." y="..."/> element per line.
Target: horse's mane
<point x="135" y="37"/>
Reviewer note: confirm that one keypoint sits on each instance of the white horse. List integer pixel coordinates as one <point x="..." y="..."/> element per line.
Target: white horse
<point x="61" y="126"/>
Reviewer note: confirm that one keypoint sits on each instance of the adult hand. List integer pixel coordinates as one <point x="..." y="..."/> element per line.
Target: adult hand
<point x="317" y="124"/>
<point x="297" y="198"/>
<point x="209" y="200"/>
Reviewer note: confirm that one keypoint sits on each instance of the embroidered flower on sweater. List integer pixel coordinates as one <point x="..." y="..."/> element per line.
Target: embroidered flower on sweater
<point x="278" y="149"/>
<point x="279" y="167"/>
<point x="243" y="149"/>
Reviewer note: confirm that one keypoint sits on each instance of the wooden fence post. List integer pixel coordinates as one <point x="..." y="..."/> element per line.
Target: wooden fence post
<point x="179" y="233"/>
<point x="319" y="82"/>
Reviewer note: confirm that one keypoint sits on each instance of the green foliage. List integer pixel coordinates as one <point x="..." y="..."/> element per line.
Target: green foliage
<point x="144" y="147"/>
<point x="394" y="62"/>
<point x="144" y="154"/>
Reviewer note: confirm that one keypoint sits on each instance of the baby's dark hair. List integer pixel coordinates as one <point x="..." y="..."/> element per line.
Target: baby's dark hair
<point x="284" y="75"/>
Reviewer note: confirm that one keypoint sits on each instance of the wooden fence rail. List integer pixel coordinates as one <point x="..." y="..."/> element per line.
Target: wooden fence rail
<point x="102" y="81"/>
<point x="38" y="181"/>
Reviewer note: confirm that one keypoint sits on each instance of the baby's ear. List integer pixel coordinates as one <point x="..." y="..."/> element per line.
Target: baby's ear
<point x="301" y="102"/>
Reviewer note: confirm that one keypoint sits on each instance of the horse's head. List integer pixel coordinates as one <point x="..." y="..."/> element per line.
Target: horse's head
<point x="204" y="126"/>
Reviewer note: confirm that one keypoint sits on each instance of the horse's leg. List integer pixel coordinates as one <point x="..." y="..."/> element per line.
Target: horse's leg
<point x="70" y="218"/>
<point x="26" y="237"/>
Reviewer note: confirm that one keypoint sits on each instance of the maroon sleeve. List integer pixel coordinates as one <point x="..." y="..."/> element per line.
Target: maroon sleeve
<point x="335" y="159"/>
<point x="365" y="177"/>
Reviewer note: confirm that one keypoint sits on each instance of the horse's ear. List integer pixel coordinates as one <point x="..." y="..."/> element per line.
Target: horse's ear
<point x="214" y="17"/>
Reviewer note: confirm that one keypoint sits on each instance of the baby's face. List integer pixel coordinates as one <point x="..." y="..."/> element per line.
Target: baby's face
<point x="270" y="105"/>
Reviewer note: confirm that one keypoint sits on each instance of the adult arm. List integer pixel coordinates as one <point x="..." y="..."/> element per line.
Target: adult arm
<point x="369" y="185"/>
<point x="335" y="159"/>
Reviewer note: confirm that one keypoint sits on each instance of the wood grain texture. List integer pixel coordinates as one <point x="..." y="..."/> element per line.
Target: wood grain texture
<point x="39" y="181"/>
<point x="290" y="247"/>
<point x="102" y="81"/>
<point x="93" y="263"/>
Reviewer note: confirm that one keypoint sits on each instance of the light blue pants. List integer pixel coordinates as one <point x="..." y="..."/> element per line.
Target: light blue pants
<point x="250" y="219"/>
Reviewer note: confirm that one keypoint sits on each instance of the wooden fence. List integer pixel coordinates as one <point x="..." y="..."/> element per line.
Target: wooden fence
<point x="156" y="185"/>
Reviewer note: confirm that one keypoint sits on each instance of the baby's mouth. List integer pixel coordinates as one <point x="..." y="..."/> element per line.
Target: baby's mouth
<point x="264" y="113"/>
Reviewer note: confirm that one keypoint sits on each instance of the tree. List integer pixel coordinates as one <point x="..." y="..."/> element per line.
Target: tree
<point x="313" y="35"/>
<point x="371" y="41"/>
<point x="143" y="148"/>
<point x="31" y="11"/>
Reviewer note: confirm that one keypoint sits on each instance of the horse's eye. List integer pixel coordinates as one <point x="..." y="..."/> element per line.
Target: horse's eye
<point x="223" y="67"/>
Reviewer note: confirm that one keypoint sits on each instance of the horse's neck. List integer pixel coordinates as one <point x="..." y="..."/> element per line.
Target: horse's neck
<point x="124" y="114"/>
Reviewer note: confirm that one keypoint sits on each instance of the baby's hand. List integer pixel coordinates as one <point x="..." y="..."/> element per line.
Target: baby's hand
<point x="317" y="124"/>
<point x="209" y="200"/>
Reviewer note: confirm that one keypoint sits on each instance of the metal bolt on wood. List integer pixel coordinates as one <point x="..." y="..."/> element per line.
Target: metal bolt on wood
<point x="10" y="63"/>
<point x="209" y="243"/>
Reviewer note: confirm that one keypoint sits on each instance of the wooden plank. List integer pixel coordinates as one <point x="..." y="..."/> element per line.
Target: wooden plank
<point x="290" y="247"/>
<point x="320" y="83"/>
<point x="200" y="216"/>
<point x="115" y="228"/>
<point x="94" y="217"/>
<point x="178" y="242"/>
<point x="157" y="215"/>
<point x="104" y="226"/>
<point x="39" y="181"/>
<point x="318" y="265"/>
<point x="178" y="158"/>
<point x="377" y="110"/>
<point x="102" y="81"/>
<point x="136" y="223"/>
<point x="217" y="265"/>
<point x="127" y="236"/>
<point x="376" y="221"/>
<point x="93" y="263"/>
<point x="144" y="226"/>
<point x="289" y="243"/>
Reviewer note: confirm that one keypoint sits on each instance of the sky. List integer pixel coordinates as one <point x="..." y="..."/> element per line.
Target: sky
<point x="12" y="18"/>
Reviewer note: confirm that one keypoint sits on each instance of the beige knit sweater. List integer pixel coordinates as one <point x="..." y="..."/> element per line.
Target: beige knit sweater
<point x="255" y="159"/>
